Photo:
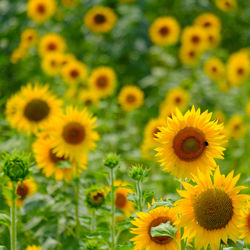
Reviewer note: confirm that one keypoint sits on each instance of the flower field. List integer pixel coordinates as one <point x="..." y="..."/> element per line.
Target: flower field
<point x="124" y="124"/>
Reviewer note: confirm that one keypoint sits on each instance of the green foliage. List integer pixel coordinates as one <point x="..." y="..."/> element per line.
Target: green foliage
<point x="111" y="161"/>
<point x="164" y="229"/>
<point x="5" y="219"/>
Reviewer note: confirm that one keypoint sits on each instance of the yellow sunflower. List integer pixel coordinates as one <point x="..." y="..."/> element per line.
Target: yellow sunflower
<point x="189" y="56"/>
<point x="210" y="210"/>
<point x="248" y="108"/>
<point x="195" y="37"/>
<point x="95" y="196"/>
<point x="131" y="97"/>
<point x="89" y="97"/>
<point x="17" y="54"/>
<point x="236" y="127"/>
<point x="164" y="31"/>
<point x="121" y="200"/>
<point x="166" y="110"/>
<point x="100" y="19"/>
<point x="189" y="143"/>
<point x="219" y="116"/>
<point x="36" y="108"/>
<point x="245" y="224"/>
<point x="33" y="247"/>
<point x="67" y="58"/>
<point x="208" y="21"/>
<point x="24" y="189"/>
<point x="52" y="63"/>
<point x="214" y="68"/>
<point x="51" y="164"/>
<point x="51" y="42"/>
<point x="29" y="38"/>
<point x="103" y="81"/>
<point x="238" y="68"/>
<point x="224" y="85"/>
<point x="74" y="134"/>
<point x="74" y="71"/>
<point x="213" y="38"/>
<point x="143" y="224"/>
<point x="226" y="5"/>
<point x="41" y="10"/>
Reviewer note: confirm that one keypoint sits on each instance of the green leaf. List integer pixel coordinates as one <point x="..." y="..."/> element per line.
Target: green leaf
<point x="161" y="203"/>
<point x="164" y="229"/>
<point x="5" y="219"/>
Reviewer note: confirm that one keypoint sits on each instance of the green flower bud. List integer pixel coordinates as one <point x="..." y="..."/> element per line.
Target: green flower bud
<point x="91" y="245"/>
<point x="111" y="161"/>
<point x="16" y="166"/>
<point x="95" y="197"/>
<point x="138" y="173"/>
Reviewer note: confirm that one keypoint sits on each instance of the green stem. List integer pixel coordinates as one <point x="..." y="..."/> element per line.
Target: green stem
<point x="112" y="209"/>
<point x="77" y="208"/>
<point x="176" y="243"/>
<point x="93" y="221"/>
<point x="139" y="193"/>
<point x="13" y="217"/>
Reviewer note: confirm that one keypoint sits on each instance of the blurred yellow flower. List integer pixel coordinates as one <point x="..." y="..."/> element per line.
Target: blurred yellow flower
<point x="18" y="54"/>
<point x="219" y="116"/>
<point x="33" y="247"/>
<point x="29" y="38"/>
<point x="245" y="224"/>
<point x="189" y="56"/>
<point x="164" y="31"/>
<point x="226" y="5"/>
<point x="236" y="127"/>
<point x="214" y="68"/>
<point x="248" y="108"/>
<point x="213" y="38"/>
<point x="208" y="21"/>
<point x="52" y="63"/>
<point x="89" y="98"/>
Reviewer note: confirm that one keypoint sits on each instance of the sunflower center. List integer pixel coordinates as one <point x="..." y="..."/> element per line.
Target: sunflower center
<point x="227" y="4"/>
<point x="74" y="73"/>
<point x="102" y="82"/>
<point x="41" y="9"/>
<point x="30" y="38"/>
<point x="51" y="46"/>
<point x="213" y="209"/>
<point x="99" y="18"/>
<point x="54" y="158"/>
<point x="240" y="71"/>
<point x="164" y="31"/>
<point x="97" y="197"/>
<point x="130" y="98"/>
<point x="189" y="144"/>
<point x="36" y="110"/>
<point x="120" y="200"/>
<point x="214" y="69"/>
<point x="207" y="24"/>
<point x="177" y="100"/>
<point x="74" y="133"/>
<point x="195" y="39"/>
<point x="22" y="190"/>
<point x="191" y="54"/>
<point x="162" y="240"/>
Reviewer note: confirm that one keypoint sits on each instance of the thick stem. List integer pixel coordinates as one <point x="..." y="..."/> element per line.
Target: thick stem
<point x="13" y="217"/>
<point x="93" y="221"/>
<point x="139" y="195"/>
<point x="77" y="208"/>
<point x="112" y="209"/>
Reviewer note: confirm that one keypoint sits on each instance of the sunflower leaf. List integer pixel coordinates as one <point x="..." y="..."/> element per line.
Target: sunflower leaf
<point x="164" y="229"/>
<point x="5" y="219"/>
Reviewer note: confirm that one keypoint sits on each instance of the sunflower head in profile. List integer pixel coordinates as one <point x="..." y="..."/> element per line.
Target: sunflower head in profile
<point x="100" y="19"/>
<point x="245" y="223"/>
<point x="208" y="21"/>
<point x="164" y="31"/>
<point x="74" y="134"/>
<point x="236" y="127"/>
<point x="121" y="201"/>
<point x="33" y="247"/>
<point x="36" y="108"/>
<point x="238" y="68"/>
<point x="95" y="197"/>
<point x="143" y="225"/>
<point x="51" y="43"/>
<point x="214" y="68"/>
<point x="103" y="81"/>
<point x="189" y="55"/>
<point x="130" y="97"/>
<point x="211" y="210"/>
<point x="74" y="71"/>
<point x="226" y="5"/>
<point x="40" y="11"/>
<point x="52" y="63"/>
<point x="89" y="98"/>
<point x="189" y="143"/>
<point x="29" y="38"/>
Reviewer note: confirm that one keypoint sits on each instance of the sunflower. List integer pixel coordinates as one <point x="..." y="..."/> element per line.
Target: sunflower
<point x="245" y="224"/>
<point x="238" y="68"/>
<point x="121" y="200"/>
<point x="33" y="247"/>
<point x="236" y="127"/>
<point x="248" y="108"/>
<point x="226" y="5"/>
<point x="189" y="56"/>
<point x="95" y="197"/>
<point x="37" y="107"/>
<point x="214" y="68"/>
<point x="17" y="54"/>
<point x="100" y="19"/>
<point x="219" y="116"/>
<point x="51" y="42"/>
<point x="224" y="85"/>
<point x="24" y="189"/>
<point x="189" y="143"/>
<point x="67" y="58"/>
<point x="29" y="38"/>
<point x="164" y="31"/>
<point x="130" y="97"/>
<point x="166" y="110"/>
<point x="210" y="210"/>
<point x="52" y="63"/>
<point x="74" y="71"/>
<point x="213" y="38"/>
<point x="208" y="21"/>
<point x="50" y="163"/>
<point x="103" y="81"/>
<point x="145" y="221"/>
<point x="41" y="10"/>
<point x="89" y="97"/>
<point x="195" y="37"/>
<point x="74" y="134"/>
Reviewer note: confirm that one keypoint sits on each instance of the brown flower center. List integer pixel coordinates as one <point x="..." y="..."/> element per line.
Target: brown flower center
<point x="130" y="98"/>
<point x="102" y="82"/>
<point x="214" y="69"/>
<point x="213" y="209"/>
<point x="22" y="190"/>
<point x="74" y="133"/>
<point x="54" y="158"/>
<point x="162" y="240"/>
<point x="97" y="197"/>
<point x="74" y="73"/>
<point x="36" y="110"/>
<point x="207" y="24"/>
<point x="51" y="46"/>
<point x="240" y="71"/>
<point x="41" y="9"/>
<point x="99" y="19"/>
<point x="191" y="54"/>
<point x="189" y="144"/>
<point x="120" y="200"/>
<point x="195" y="39"/>
<point x="177" y="100"/>
<point x="164" y="31"/>
<point x="30" y="38"/>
